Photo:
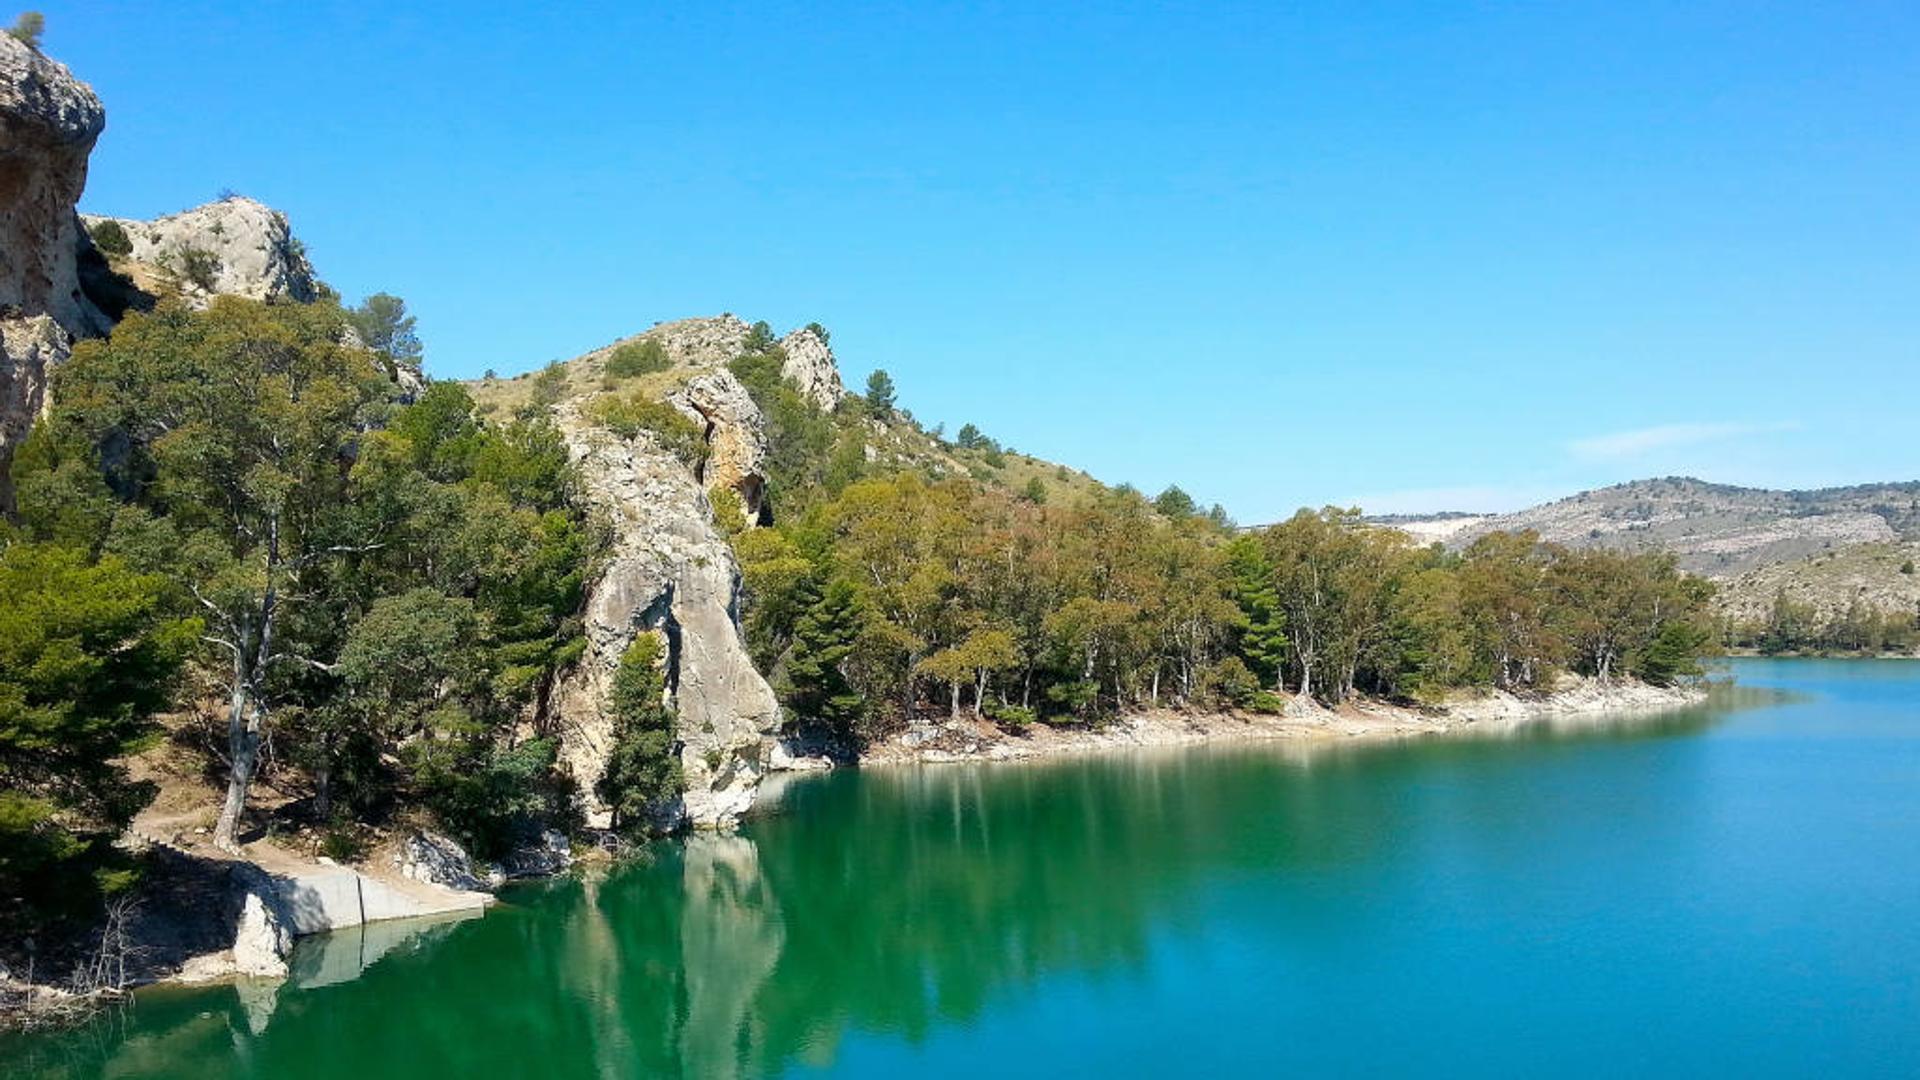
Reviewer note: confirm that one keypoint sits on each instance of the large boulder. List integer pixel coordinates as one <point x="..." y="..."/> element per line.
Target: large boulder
<point x="668" y="572"/>
<point x="48" y="123"/>
<point x="439" y="860"/>
<point x="233" y="247"/>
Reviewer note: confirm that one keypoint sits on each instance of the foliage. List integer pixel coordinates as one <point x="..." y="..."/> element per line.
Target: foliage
<point x="111" y="237"/>
<point x="385" y="588"/>
<point x="824" y="636"/>
<point x="194" y="265"/>
<point x="549" y="389"/>
<point x="1175" y="503"/>
<point x="27" y="28"/>
<point x="629" y="415"/>
<point x="642" y="357"/>
<point x="880" y="392"/>
<point x="88" y="654"/>
<point x="383" y="325"/>
<point x="642" y="771"/>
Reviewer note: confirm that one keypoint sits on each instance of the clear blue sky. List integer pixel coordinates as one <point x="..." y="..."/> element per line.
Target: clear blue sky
<point x="1421" y="256"/>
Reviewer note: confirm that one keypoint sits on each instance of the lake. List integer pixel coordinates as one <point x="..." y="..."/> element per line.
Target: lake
<point x="1727" y="890"/>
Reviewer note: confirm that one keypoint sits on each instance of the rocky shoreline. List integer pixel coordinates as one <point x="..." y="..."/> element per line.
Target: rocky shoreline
<point x="973" y="740"/>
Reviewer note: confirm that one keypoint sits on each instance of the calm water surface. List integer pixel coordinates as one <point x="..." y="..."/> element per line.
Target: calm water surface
<point x="1733" y="890"/>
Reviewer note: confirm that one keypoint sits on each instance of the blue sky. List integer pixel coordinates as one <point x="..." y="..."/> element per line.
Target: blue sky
<point x="1421" y="256"/>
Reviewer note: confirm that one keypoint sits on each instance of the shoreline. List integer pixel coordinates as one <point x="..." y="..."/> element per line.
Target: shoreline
<point x="970" y="739"/>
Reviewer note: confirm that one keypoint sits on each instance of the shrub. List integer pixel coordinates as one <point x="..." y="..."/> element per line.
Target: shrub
<point x="196" y="265"/>
<point x="1229" y="683"/>
<point x="638" y="358"/>
<point x="1266" y="701"/>
<point x="728" y="516"/>
<point x="631" y="415"/>
<point x="1011" y="717"/>
<point x="109" y="237"/>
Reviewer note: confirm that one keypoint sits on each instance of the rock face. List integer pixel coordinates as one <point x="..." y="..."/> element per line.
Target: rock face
<point x="668" y="572"/>
<point x="736" y="436"/>
<point x="48" y="123"/>
<point x="438" y="860"/>
<point x="233" y="247"/>
<point x="810" y="364"/>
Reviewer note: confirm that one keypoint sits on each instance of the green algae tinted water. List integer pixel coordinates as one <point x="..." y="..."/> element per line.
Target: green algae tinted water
<point x="1732" y="890"/>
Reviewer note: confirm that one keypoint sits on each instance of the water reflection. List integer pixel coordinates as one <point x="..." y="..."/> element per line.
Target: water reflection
<point x="889" y="901"/>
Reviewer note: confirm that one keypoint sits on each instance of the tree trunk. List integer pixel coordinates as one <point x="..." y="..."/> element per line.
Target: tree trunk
<point x="243" y="744"/>
<point x="955" y="714"/>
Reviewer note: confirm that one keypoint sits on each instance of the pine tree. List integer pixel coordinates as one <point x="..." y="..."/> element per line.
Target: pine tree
<point x="823" y="638"/>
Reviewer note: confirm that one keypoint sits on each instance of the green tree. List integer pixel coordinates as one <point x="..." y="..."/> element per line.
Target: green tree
<point x="233" y="427"/>
<point x="1175" y="503"/>
<point x="1250" y="582"/>
<point x="88" y="654"/>
<point x="1035" y="492"/>
<point x="642" y="772"/>
<point x="880" y="392"/>
<point x="111" y="237"/>
<point x="383" y="325"/>
<point x="823" y="639"/>
<point x="28" y="28"/>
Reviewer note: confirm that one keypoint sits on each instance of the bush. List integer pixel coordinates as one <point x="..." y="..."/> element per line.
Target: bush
<point x="1229" y="683"/>
<point x="1267" y="702"/>
<point x="110" y="238"/>
<point x="195" y="265"/>
<point x="631" y="415"/>
<point x="1011" y="717"/>
<point x="638" y="358"/>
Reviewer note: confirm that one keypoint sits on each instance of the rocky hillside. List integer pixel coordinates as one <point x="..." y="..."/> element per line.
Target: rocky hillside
<point x="1825" y="547"/>
<point x="671" y="569"/>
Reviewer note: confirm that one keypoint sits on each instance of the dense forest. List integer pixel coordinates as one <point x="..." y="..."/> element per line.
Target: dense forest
<point x="237" y="521"/>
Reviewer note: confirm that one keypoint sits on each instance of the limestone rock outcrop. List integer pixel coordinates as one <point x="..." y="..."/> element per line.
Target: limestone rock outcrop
<point x="48" y="123"/>
<point x="669" y="572"/>
<point x="234" y="247"/>
<point x="810" y="364"/>
<point x="735" y="432"/>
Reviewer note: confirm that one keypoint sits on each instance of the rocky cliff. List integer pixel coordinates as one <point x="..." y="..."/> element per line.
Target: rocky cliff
<point x="669" y="572"/>
<point x="48" y="123"/>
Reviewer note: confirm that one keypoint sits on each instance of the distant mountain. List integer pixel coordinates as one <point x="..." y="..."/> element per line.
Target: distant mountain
<point x="1826" y="547"/>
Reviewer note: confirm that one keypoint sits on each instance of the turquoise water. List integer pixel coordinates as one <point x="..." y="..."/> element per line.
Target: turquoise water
<point x="1730" y="890"/>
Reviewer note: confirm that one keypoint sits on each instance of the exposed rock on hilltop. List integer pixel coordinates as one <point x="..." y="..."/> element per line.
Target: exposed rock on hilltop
<point x="811" y="366"/>
<point x="233" y="247"/>
<point x="48" y="123"/>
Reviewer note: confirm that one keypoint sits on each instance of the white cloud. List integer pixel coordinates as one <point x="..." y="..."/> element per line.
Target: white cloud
<point x="1641" y="441"/>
